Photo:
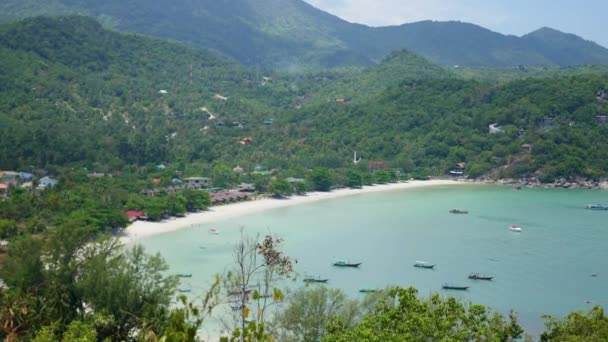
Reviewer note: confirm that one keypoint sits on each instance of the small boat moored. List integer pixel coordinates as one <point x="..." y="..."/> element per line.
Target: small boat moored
<point x="458" y="211"/>
<point x="346" y="263"/>
<point x="423" y="264"/>
<point x="315" y="279"/>
<point x="184" y="290"/>
<point x="596" y="207"/>
<point x="214" y="231"/>
<point x="369" y="290"/>
<point x="515" y="228"/>
<point x="477" y="276"/>
<point x="455" y="287"/>
<point x="184" y="275"/>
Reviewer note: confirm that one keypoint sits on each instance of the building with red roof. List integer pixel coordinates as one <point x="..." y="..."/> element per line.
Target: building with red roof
<point x="134" y="215"/>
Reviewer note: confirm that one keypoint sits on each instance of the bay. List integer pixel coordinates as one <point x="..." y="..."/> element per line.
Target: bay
<point x="545" y="269"/>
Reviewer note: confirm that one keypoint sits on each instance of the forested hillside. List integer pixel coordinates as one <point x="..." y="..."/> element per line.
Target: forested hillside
<point x="72" y="91"/>
<point x="548" y="127"/>
<point x="291" y="34"/>
<point x="94" y="98"/>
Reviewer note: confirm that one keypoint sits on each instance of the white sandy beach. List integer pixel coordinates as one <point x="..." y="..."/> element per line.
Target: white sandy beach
<point x="143" y="229"/>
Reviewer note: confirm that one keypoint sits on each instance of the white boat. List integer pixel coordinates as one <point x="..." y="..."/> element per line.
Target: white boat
<point x="457" y="172"/>
<point x="515" y="228"/>
<point x="214" y="231"/>
<point x="596" y="207"/>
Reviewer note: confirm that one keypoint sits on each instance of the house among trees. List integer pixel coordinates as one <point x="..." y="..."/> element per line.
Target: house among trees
<point x="458" y="169"/>
<point x="25" y="176"/>
<point x="266" y="79"/>
<point x="376" y="165"/>
<point x="238" y="170"/>
<point x="340" y="100"/>
<point x="495" y="129"/>
<point x="247" y="140"/>
<point x="293" y="180"/>
<point x="198" y="182"/>
<point x="150" y="192"/>
<point x="546" y="123"/>
<point x="601" y="120"/>
<point x="47" y="182"/>
<point x="268" y="122"/>
<point x="97" y="175"/>
<point x="527" y="147"/>
<point x="8" y="176"/>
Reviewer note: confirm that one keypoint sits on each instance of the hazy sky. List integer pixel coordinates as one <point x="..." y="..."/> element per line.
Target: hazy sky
<point x="586" y="18"/>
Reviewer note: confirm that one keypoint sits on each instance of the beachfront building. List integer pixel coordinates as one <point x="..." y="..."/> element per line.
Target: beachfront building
<point x="246" y="187"/>
<point x="227" y="197"/>
<point x="198" y="182"/>
<point x="376" y="165"/>
<point x="134" y="215"/>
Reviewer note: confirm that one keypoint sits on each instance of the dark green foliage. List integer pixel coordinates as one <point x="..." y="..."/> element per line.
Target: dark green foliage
<point x="279" y="187"/>
<point x="577" y="326"/>
<point x="355" y="180"/>
<point x="321" y="179"/>
<point x="310" y="310"/>
<point x="74" y="282"/>
<point x="196" y="200"/>
<point x="8" y="229"/>
<point x="301" y="187"/>
<point x="401" y="316"/>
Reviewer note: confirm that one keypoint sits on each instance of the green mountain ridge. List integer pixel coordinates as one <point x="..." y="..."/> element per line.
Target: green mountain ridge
<point x="566" y="48"/>
<point x="291" y="34"/>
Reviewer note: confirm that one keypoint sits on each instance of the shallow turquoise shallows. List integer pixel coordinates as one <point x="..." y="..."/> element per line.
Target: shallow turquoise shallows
<point x="545" y="269"/>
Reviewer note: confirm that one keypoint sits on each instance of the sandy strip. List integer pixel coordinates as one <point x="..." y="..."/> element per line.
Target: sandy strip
<point x="143" y="229"/>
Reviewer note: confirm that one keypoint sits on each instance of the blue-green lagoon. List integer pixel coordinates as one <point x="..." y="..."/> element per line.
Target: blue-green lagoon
<point x="545" y="269"/>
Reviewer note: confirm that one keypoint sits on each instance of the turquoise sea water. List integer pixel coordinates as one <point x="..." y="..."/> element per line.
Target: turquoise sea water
<point x="546" y="269"/>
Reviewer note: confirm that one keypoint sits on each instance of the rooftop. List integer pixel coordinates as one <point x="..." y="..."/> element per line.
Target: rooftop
<point x="196" y="178"/>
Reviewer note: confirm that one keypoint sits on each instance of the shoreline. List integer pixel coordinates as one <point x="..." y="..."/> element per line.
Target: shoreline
<point x="143" y="229"/>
